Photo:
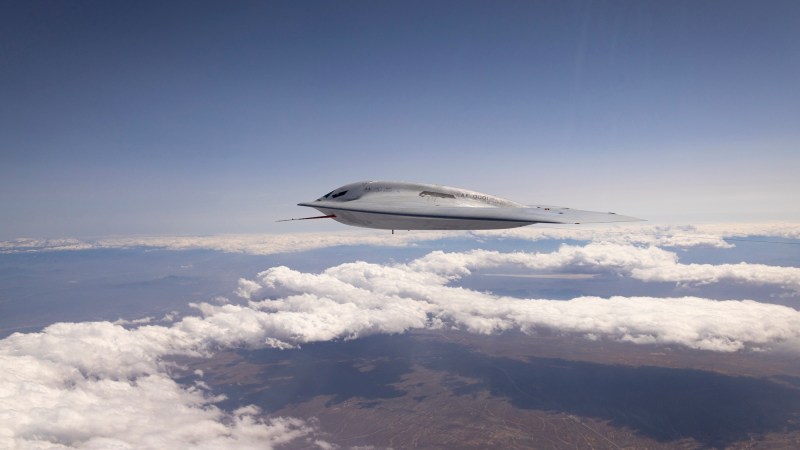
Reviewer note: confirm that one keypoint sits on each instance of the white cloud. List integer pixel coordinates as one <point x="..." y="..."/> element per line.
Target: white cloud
<point x="642" y="263"/>
<point x="99" y="385"/>
<point x="760" y="274"/>
<point x="787" y="230"/>
<point x="357" y="299"/>
<point x="681" y="236"/>
<point x="24" y="245"/>
<point x="256" y="244"/>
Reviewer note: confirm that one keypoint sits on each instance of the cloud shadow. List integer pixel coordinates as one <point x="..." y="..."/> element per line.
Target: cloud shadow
<point x="360" y="369"/>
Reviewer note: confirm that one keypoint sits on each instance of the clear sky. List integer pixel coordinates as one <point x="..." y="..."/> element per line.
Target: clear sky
<point x="218" y="117"/>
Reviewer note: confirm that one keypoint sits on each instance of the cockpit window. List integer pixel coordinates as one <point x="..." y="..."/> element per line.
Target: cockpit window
<point x="327" y="195"/>
<point x="338" y="194"/>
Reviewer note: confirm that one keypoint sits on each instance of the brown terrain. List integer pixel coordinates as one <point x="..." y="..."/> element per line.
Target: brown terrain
<point x="449" y="389"/>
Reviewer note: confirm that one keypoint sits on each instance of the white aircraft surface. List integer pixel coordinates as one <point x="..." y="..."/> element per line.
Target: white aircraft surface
<point x="397" y="205"/>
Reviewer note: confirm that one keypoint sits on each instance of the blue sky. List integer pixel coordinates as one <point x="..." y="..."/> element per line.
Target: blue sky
<point x="205" y="117"/>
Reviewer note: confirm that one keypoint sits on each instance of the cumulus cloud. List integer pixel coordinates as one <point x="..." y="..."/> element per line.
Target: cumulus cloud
<point x="99" y="385"/>
<point x="57" y="407"/>
<point x="642" y="263"/>
<point x="356" y="299"/>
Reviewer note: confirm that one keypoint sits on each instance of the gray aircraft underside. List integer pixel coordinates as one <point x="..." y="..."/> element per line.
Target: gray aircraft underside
<point x="396" y="205"/>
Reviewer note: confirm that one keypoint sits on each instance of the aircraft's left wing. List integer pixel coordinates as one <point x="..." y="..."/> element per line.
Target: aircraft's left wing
<point x="554" y="214"/>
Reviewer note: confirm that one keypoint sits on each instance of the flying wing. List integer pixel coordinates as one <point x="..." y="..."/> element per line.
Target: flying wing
<point x="525" y="215"/>
<point x="399" y="205"/>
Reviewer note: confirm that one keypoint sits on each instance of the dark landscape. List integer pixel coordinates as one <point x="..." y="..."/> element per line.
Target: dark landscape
<point x="430" y="389"/>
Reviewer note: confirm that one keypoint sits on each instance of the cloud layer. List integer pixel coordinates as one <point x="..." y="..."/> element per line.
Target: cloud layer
<point x="650" y="264"/>
<point x="356" y="299"/>
<point x="102" y="385"/>
<point x="709" y="235"/>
